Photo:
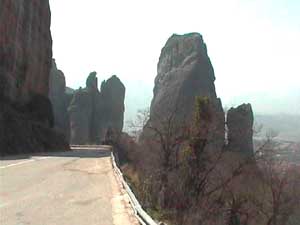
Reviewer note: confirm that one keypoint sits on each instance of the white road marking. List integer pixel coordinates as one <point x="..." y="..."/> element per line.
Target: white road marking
<point x="26" y="161"/>
<point x="16" y="164"/>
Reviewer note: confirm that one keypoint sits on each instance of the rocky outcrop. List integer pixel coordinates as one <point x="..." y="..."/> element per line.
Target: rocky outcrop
<point x="93" y="112"/>
<point x="80" y="111"/>
<point x="26" y="115"/>
<point x="240" y="129"/>
<point x="83" y="112"/>
<point x="113" y="96"/>
<point x="185" y="71"/>
<point x="59" y="99"/>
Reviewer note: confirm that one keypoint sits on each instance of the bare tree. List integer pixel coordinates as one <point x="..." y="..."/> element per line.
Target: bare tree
<point x="280" y="196"/>
<point x="200" y="186"/>
<point x="136" y="126"/>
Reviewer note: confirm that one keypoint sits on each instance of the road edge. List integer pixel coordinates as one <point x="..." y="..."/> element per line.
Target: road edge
<point x="139" y="212"/>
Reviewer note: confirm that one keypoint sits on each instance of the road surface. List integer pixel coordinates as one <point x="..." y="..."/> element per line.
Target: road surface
<point x="67" y="188"/>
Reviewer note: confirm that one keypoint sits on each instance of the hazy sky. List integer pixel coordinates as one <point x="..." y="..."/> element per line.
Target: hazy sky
<point x="254" y="45"/>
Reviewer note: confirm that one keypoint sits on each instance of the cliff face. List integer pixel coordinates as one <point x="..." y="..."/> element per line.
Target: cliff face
<point x="59" y="99"/>
<point x="93" y="112"/>
<point x="26" y="48"/>
<point x="26" y="115"/>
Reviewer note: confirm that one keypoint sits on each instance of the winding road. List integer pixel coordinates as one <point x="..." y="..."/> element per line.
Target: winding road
<point x="78" y="187"/>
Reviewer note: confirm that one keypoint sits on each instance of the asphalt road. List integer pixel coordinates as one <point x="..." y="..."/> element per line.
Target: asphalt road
<point x="67" y="188"/>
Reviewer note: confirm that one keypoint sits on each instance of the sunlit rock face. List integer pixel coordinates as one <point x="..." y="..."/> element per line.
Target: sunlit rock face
<point x="93" y="112"/>
<point x="59" y="99"/>
<point x="25" y="48"/>
<point x="26" y="115"/>
<point x="240" y="129"/>
<point x="185" y="71"/>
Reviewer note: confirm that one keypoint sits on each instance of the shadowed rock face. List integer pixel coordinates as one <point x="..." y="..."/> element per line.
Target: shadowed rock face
<point x="83" y="111"/>
<point x="240" y="129"/>
<point x="185" y="71"/>
<point x="25" y="48"/>
<point x="80" y="111"/>
<point x="92" y="113"/>
<point x="25" y="131"/>
<point x="26" y="115"/>
<point x="59" y="99"/>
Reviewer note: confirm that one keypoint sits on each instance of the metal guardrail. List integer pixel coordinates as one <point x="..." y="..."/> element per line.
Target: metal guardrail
<point x="142" y="216"/>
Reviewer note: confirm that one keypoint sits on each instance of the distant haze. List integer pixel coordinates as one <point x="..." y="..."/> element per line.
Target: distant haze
<point x="253" y="45"/>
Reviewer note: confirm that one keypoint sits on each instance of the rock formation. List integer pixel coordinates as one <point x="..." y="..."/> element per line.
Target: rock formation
<point x="113" y="96"/>
<point x="240" y="129"/>
<point x="80" y="111"/>
<point x="83" y="111"/>
<point x="59" y="99"/>
<point x="92" y="112"/>
<point x="26" y="115"/>
<point x="185" y="71"/>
